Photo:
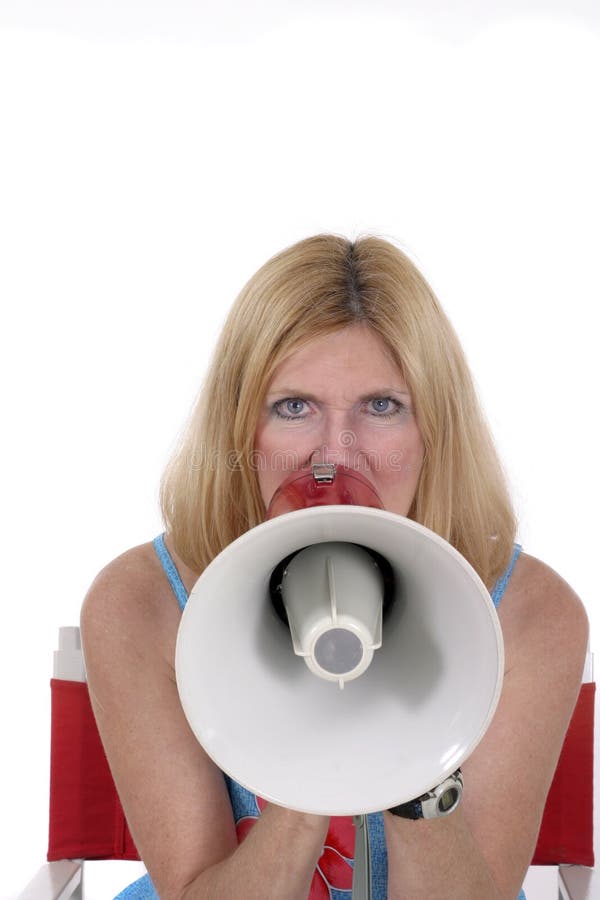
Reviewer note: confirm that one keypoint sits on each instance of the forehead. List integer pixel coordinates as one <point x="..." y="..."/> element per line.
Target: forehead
<point x="356" y="353"/>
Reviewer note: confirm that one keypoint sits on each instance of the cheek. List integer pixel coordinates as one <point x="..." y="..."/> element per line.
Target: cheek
<point x="400" y="475"/>
<point x="275" y="457"/>
<point x="396" y="454"/>
<point x="281" y="449"/>
<point x="397" y="478"/>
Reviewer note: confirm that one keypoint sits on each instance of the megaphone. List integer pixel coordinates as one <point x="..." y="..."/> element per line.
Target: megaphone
<point x="328" y="594"/>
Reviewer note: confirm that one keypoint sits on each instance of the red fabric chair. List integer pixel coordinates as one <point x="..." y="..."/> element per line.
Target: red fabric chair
<point x="567" y="832"/>
<point x="86" y="816"/>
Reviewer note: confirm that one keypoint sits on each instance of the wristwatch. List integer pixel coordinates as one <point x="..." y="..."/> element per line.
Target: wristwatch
<point x="440" y="801"/>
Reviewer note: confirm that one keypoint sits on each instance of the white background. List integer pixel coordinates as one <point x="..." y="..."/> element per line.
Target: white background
<point x="153" y="156"/>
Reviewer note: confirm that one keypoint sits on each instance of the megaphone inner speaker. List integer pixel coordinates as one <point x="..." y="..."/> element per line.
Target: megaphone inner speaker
<point x="338" y="651"/>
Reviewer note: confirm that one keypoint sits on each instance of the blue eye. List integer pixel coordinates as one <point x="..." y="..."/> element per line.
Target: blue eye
<point x="381" y="404"/>
<point x="290" y="408"/>
<point x="384" y="407"/>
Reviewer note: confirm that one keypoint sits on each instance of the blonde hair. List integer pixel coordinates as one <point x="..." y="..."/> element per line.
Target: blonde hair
<point x="209" y="492"/>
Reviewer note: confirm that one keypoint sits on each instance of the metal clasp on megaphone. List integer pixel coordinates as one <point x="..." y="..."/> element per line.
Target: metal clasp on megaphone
<point x="330" y="594"/>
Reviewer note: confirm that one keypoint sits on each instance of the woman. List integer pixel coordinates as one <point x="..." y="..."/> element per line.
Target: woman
<point x="334" y="351"/>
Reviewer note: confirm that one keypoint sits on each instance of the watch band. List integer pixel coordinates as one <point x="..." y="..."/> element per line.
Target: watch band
<point x="410" y="810"/>
<point x="440" y="801"/>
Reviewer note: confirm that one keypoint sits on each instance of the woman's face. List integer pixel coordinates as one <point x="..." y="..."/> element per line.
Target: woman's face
<point x="341" y="399"/>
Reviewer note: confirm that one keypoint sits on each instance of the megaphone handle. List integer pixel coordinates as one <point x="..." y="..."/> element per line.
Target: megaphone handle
<point x="361" y="879"/>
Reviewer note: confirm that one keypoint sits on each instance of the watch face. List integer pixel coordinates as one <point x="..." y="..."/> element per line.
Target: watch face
<point x="447" y="800"/>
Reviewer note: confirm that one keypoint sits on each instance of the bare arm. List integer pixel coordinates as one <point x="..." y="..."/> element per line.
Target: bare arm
<point x="277" y="859"/>
<point x="484" y="848"/>
<point x="174" y="797"/>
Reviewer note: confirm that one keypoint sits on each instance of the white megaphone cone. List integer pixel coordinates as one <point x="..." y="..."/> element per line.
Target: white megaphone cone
<point x="327" y="593"/>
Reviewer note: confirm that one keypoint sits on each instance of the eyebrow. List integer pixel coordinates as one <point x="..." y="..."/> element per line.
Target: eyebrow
<point x="307" y="395"/>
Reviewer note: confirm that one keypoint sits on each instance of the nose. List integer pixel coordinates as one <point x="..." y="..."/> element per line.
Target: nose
<point x="336" y="443"/>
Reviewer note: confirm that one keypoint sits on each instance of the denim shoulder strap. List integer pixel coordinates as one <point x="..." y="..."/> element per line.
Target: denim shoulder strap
<point x="500" y="586"/>
<point x="166" y="561"/>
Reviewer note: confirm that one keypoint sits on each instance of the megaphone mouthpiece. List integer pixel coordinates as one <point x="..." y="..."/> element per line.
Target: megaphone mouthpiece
<point x="323" y="484"/>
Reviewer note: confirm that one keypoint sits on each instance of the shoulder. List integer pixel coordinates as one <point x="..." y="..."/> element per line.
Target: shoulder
<point x="535" y="587"/>
<point x="541" y="612"/>
<point x="130" y="602"/>
<point x="133" y="578"/>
